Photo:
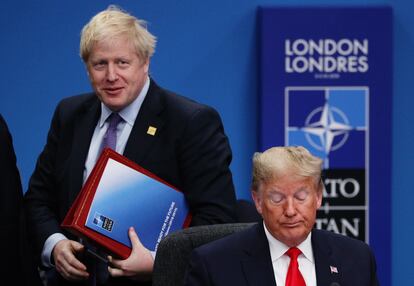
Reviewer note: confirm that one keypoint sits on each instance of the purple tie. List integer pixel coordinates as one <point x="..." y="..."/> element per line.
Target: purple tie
<point x="109" y="139"/>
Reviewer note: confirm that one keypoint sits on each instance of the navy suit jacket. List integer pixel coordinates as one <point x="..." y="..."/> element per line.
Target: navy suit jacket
<point x="244" y="259"/>
<point x="189" y="150"/>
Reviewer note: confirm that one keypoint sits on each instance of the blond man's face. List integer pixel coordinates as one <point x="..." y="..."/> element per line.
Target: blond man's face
<point x="116" y="72"/>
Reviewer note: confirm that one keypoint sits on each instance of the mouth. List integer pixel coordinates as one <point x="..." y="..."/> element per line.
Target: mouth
<point x="292" y="224"/>
<point x="113" y="90"/>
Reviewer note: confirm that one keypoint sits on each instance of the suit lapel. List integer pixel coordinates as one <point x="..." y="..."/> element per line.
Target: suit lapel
<point x="84" y="126"/>
<point x="257" y="266"/>
<point x="141" y="139"/>
<point x="328" y="269"/>
<point x="138" y="144"/>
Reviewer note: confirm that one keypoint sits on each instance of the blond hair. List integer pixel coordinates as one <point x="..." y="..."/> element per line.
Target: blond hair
<point x="113" y="22"/>
<point x="277" y="162"/>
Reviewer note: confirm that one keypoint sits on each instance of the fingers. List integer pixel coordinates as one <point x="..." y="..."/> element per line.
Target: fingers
<point x="64" y="254"/>
<point x="128" y="270"/>
<point x="137" y="252"/>
<point x="115" y="262"/>
<point x="138" y="265"/>
<point x="117" y="267"/>
<point x="77" y="247"/>
<point x="134" y="238"/>
<point x="69" y="272"/>
<point x="116" y="272"/>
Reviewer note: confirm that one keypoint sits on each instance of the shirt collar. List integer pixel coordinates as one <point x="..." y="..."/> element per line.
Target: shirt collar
<point x="278" y="248"/>
<point x="130" y="112"/>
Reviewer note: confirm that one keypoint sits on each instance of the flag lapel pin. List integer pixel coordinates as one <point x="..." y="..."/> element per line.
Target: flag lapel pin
<point x="334" y="269"/>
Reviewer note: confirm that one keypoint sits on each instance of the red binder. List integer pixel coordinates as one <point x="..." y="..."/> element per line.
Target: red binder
<point x="76" y="218"/>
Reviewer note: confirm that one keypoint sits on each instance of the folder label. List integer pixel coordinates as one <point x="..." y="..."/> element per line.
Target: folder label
<point x="103" y="221"/>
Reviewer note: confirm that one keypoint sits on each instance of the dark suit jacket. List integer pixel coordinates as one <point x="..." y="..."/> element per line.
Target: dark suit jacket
<point x="244" y="259"/>
<point x="189" y="150"/>
<point x="16" y="261"/>
<point x="10" y="204"/>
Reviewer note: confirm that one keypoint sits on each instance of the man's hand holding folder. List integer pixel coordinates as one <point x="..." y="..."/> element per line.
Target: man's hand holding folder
<point x="119" y="195"/>
<point x="140" y="258"/>
<point x="66" y="262"/>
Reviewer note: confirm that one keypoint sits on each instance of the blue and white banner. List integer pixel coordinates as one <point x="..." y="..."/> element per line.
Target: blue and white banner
<point x="326" y="84"/>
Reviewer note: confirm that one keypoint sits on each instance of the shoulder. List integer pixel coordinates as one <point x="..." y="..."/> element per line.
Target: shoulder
<point x="2" y="122"/>
<point x="5" y="136"/>
<point x="179" y="105"/>
<point x="77" y="101"/>
<point x="3" y="126"/>
<point x="232" y="243"/>
<point x="351" y="255"/>
<point x="342" y="243"/>
<point x="73" y="105"/>
<point x="335" y="237"/>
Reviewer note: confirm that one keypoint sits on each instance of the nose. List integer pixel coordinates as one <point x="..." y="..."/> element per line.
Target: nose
<point x="290" y="208"/>
<point x="111" y="74"/>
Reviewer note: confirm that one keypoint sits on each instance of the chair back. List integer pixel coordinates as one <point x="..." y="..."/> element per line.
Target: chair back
<point x="174" y="250"/>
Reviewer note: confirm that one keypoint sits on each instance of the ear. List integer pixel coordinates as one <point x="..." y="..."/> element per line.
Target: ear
<point x="87" y="67"/>
<point x="257" y="198"/>
<point x="319" y="194"/>
<point x="146" y="65"/>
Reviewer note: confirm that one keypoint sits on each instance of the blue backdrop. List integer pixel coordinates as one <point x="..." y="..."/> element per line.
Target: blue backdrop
<point x="293" y="103"/>
<point x="207" y="51"/>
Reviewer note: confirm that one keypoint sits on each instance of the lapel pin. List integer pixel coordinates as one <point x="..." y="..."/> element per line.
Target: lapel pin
<point x="333" y="269"/>
<point x="151" y="130"/>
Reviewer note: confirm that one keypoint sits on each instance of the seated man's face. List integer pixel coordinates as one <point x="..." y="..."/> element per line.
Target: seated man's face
<point x="116" y="72"/>
<point x="288" y="207"/>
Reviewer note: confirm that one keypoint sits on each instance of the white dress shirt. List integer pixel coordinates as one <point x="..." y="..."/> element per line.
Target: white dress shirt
<point x="128" y="114"/>
<point x="280" y="260"/>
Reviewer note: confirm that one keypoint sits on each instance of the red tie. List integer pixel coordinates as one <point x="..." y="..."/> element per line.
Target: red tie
<point x="294" y="277"/>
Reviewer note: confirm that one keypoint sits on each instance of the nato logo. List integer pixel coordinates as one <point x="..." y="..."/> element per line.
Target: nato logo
<point x="331" y="122"/>
<point x="102" y="221"/>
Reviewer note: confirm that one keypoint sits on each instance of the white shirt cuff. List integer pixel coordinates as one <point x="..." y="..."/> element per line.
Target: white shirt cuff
<point x="50" y="243"/>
